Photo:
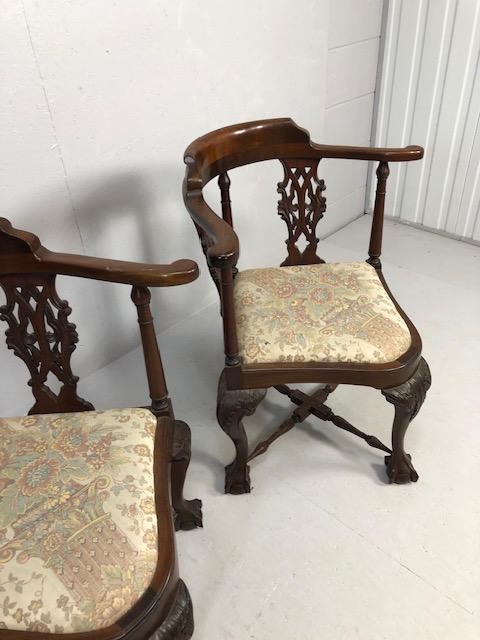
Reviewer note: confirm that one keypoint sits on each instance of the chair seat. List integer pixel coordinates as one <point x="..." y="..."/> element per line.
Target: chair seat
<point x="78" y="527"/>
<point x="336" y="312"/>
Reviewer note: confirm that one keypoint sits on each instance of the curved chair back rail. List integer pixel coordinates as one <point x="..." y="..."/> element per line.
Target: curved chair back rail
<point x="249" y="142"/>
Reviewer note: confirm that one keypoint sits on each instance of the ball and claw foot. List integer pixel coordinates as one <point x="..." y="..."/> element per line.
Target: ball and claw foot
<point x="232" y="406"/>
<point x="407" y="399"/>
<point x="400" y="472"/>
<point x="237" y="481"/>
<point x="189" y="515"/>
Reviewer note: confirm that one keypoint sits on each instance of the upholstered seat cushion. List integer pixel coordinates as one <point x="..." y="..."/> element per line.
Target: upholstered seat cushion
<point x="336" y="312"/>
<point x="78" y="530"/>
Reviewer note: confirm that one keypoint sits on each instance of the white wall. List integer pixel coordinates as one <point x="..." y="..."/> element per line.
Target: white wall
<point x="353" y="46"/>
<point x="99" y="101"/>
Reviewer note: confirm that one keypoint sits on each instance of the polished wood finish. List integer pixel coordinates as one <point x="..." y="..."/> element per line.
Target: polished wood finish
<point x="232" y="407"/>
<point x="375" y="248"/>
<point x="407" y="399"/>
<point x="302" y="206"/>
<point x="40" y="333"/>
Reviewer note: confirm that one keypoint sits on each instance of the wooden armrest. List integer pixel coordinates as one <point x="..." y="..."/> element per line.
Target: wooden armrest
<point x="134" y="273"/>
<point x="402" y="154"/>
<point x="23" y="253"/>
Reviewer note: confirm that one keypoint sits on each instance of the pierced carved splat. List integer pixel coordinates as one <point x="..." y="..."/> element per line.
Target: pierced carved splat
<point x="301" y="206"/>
<point x="40" y="334"/>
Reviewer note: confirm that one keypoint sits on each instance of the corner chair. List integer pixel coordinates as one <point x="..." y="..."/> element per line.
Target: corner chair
<point x="306" y="321"/>
<point x="87" y="546"/>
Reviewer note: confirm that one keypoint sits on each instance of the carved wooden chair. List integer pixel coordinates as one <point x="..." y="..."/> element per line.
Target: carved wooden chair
<point x="87" y="546"/>
<point x="305" y="321"/>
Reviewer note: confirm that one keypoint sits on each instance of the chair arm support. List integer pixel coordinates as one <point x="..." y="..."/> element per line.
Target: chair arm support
<point x="224" y="251"/>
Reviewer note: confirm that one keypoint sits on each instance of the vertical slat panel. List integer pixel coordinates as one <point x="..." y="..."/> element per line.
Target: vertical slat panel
<point x="399" y="86"/>
<point x="460" y="215"/>
<point x="468" y="224"/>
<point x="454" y="135"/>
<point x="426" y="111"/>
<point x="430" y="95"/>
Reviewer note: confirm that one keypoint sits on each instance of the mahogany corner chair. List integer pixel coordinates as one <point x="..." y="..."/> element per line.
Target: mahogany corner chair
<point x="87" y="547"/>
<point x="306" y="321"/>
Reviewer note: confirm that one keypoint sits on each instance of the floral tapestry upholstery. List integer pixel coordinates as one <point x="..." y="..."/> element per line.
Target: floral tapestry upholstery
<point x="338" y="312"/>
<point x="78" y="530"/>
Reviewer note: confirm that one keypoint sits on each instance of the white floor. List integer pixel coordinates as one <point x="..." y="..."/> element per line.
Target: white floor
<point x="323" y="547"/>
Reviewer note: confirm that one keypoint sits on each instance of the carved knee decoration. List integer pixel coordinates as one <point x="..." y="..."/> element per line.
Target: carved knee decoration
<point x="407" y="399"/>
<point x="232" y="406"/>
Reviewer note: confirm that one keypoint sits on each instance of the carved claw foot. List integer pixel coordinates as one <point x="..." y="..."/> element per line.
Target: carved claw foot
<point x="407" y="399"/>
<point x="400" y="471"/>
<point x="187" y="513"/>
<point x="237" y="479"/>
<point x="179" y="622"/>
<point x="232" y="406"/>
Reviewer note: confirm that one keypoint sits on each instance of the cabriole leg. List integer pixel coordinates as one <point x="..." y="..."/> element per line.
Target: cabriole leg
<point x="232" y="406"/>
<point x="187" y="513"/>
<point x="407" y="399"/>
<point x="179" y="623"/>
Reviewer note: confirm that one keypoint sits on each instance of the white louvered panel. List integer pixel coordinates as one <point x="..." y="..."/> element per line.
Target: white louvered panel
<point x="425" y="111"/>
<point x="430" y="95"/>
<point x="399" y="88"/>
<point x="457" y="122"/>
<point x="468" y="225"/>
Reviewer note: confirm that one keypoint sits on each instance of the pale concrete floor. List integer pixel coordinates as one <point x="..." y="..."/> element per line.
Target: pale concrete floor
<point x="323" y="547"/>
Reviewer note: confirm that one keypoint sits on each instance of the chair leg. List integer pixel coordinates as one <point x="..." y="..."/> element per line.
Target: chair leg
<point x="179" y="622"/>
<point x="407" y="399"/>
<point x="232" y="406"/>
<point x="187" y="513"/>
